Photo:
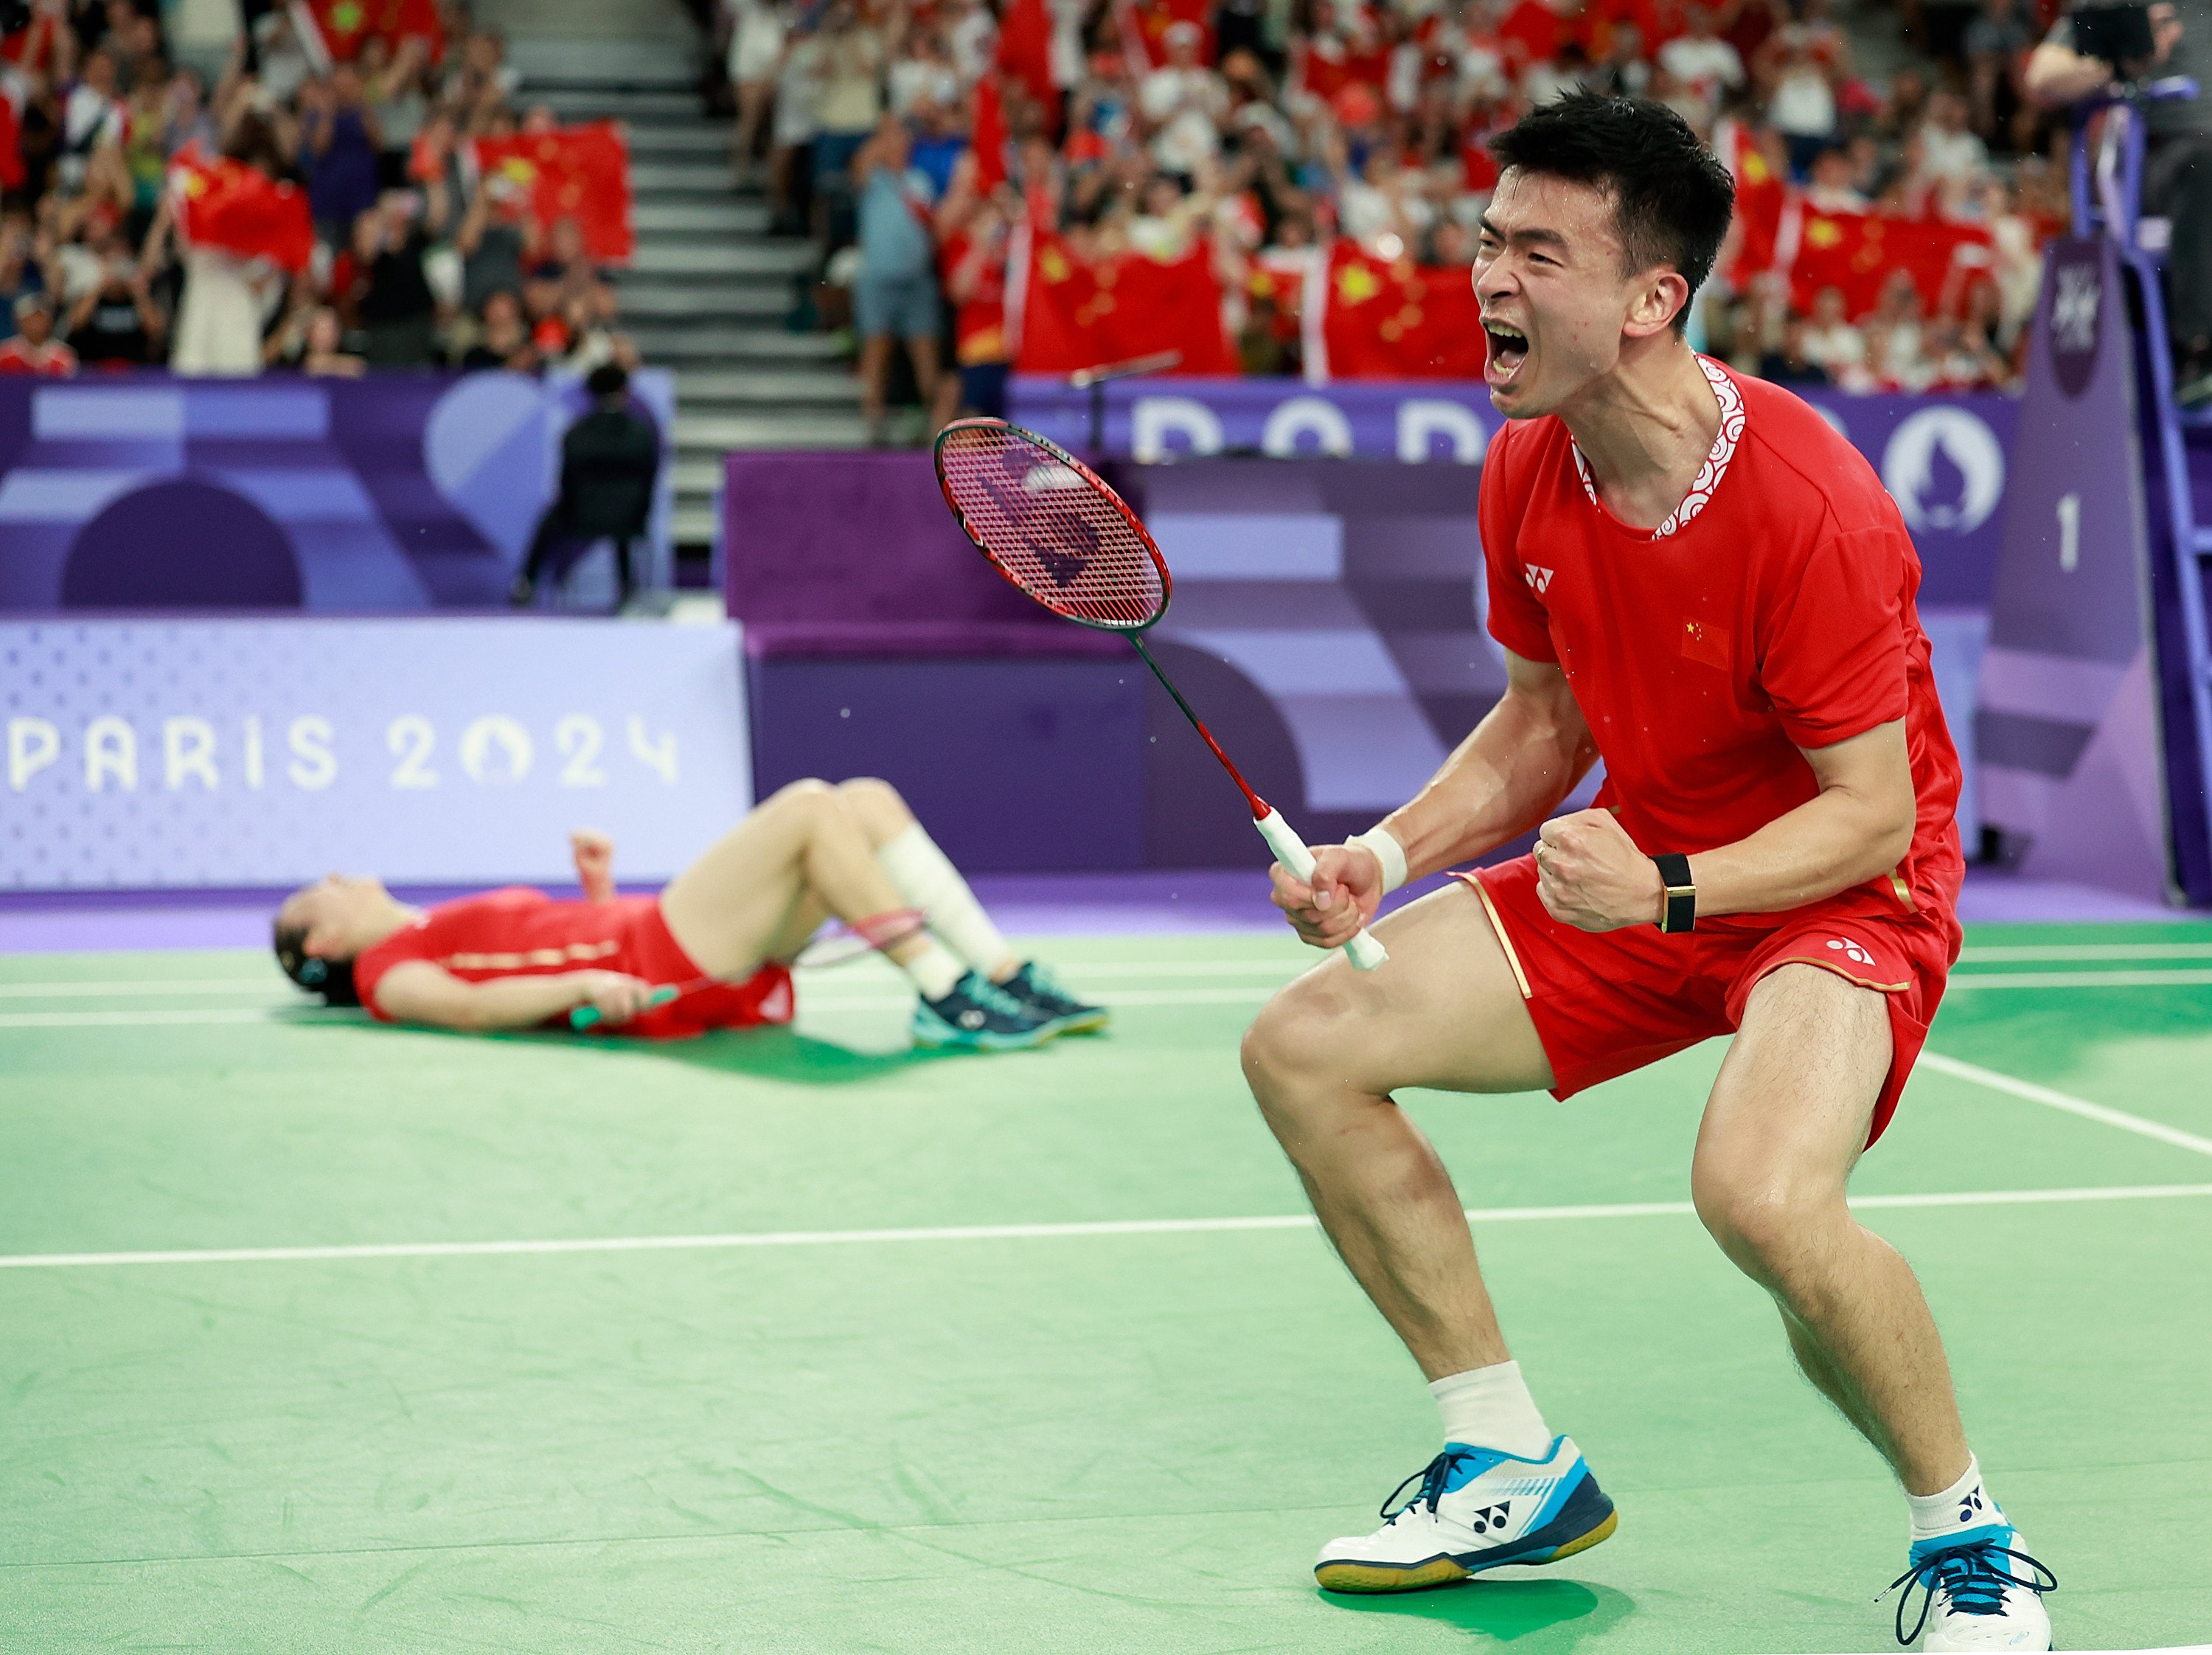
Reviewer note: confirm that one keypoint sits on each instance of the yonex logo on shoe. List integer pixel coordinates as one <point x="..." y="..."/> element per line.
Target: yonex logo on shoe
<point x="1851" y="950"/>
<point x="971" y="1018"/>
<point x="1491" y="1517"/>
<point x="1540" y="579"/>
<point x="1971" y="1506"/>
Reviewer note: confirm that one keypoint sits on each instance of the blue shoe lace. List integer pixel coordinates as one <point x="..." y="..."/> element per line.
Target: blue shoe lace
<point x="1974" y="1578"/>
<point x="1432" y="1479"/>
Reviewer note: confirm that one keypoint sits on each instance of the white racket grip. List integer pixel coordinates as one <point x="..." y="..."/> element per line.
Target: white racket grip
<point x="1291" y="851"/>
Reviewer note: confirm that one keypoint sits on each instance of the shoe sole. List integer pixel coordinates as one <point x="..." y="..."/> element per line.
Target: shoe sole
<point x="936" y="1042"/>
<point x="1448" y="1570"/>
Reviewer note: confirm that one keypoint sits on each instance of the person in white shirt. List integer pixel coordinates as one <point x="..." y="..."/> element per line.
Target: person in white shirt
<point x="1183" y="103"/>
<point x="1950" y="151"/>
<point x="1832" y="344"/>
<point x="1701" y="62"/>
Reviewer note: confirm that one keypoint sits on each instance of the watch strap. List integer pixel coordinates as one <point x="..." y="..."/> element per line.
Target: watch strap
<point x="1681" y="910"/>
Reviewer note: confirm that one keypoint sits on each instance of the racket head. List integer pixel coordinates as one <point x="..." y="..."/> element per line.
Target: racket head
<point x="1051" y="526"/>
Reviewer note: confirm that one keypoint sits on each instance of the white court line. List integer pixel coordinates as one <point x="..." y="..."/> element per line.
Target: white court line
<point x="2062" y="951"/>
<point x="151" y="985"/>
<point x="2077" y="979"/>
<point x="1010" y="1232"/>
<point x="2060" y="1100"/>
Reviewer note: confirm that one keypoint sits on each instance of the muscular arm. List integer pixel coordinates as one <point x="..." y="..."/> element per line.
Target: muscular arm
<point x="1509" y="774"/>
<point x="1511" y="771"/>
<point x="1859" y="826"/>
<point x="419" y="992"/>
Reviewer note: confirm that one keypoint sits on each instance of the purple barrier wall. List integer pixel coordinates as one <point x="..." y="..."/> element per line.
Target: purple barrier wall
<point x="404" y="491"/>
<point x="1944" y="458"/>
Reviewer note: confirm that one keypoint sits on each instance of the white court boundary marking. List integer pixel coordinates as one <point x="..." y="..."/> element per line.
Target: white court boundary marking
<point x="1998" y="1081"/>
<point x="370" y="1250"/>
<point x="821" y="995"/>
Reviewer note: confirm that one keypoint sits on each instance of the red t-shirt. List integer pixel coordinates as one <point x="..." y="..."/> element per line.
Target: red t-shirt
<point x="1773" y="610"/>
<point x="521" y="932"/>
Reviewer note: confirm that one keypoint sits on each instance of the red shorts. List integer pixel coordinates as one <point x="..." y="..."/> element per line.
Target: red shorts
<point x="1605" y="1002"/>
<point x="649" y="950"/>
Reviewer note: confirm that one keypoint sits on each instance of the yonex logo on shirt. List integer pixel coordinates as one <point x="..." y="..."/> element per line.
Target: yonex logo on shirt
<point x="1851" y="950"/>
<point x="1540" y="579"/>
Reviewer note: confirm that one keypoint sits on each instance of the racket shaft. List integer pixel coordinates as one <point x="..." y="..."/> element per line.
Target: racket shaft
<point x="1291" y="851"/>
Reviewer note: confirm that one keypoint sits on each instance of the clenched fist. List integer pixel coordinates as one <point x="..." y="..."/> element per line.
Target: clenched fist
<point x="1590" y="875"/>
<point x="1346" y="887"/>
<point x="615" y="996"/>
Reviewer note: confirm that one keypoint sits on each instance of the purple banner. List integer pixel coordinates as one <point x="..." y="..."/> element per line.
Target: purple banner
<point x="406" y="491"/>
<point x="151" y="753"/>
<point x="1942" y="457"/>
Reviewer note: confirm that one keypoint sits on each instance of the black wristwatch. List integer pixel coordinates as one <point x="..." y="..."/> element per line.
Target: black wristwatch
<point x="1681" y="912"/>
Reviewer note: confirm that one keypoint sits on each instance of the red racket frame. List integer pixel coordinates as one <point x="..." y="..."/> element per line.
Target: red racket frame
<point x="1106" y="491"/>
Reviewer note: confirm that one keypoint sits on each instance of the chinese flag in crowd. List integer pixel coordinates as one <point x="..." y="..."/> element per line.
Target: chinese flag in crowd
<point x="1144" y="25"/>
<point x="231" y="207"/>
<point x="1760" y="194"/>
<point x="1396" y="319"/>
<point x="1079" y="313"/>
<point x="989" y="141"/>
<point x="1026" y="52"/>
<point x="342" y="26"/>
<point x="574" y="172"/>
<point x="1855" y="252"/>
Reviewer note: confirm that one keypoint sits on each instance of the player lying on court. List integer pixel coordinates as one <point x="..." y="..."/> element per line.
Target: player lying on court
<point x="1697" y="580"/>
<point x="712" y="951"/>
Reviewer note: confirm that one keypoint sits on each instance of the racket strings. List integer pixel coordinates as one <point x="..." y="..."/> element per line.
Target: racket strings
<point x="1051" y="529"/>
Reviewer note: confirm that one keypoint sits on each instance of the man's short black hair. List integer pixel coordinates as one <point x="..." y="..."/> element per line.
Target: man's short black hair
<point x="608" y="380"/>
<point x="331" y="978"/>
<point x="1672" y="196"/>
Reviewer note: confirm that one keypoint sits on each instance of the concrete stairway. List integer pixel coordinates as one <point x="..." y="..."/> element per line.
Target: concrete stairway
<point x="709" y="289"/>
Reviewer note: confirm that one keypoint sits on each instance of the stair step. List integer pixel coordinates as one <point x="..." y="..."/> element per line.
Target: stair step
<point x="725" y="302"/>
<point x="699" y="436"/>
<point x="640" y="108"/>
<point x="694" y="526"/>
<point x="688" y="219"/>
<point x="641" y="64"/>
<point x="681" y="141"/>
<point x="696" y="477"/>
<point x="700" y="388"/>
<point x="668" y="344"/>
<point x="709" y="177"/>
<point x="763" y="257"/>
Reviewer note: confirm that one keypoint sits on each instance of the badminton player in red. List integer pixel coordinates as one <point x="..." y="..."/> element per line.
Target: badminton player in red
<point x="1697" y="581"/>
<point x="711" y="951"/>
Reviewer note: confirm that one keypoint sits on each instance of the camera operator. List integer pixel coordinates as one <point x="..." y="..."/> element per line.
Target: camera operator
<point x="2177" y="166"/>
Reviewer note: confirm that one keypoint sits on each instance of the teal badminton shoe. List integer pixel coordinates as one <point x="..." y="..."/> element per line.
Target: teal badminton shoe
<point x="977" y="1015"/>
<point x="1474" y="1509"/>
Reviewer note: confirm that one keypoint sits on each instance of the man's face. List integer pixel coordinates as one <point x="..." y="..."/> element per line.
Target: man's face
<point x="343" y="914"/>
<point x="1555" y="304"/>
<point x="36" y="326"/>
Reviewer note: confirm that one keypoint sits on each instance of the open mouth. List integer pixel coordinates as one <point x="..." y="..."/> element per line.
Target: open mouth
<point x="1509" y="349"/>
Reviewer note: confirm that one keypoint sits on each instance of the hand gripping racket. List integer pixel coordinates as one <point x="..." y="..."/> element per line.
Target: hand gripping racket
<point x="1051" y="526"/>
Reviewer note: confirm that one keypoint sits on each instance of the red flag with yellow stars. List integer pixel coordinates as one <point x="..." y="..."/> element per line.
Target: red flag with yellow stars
<point x="1394" y="319"/>
<point x="1080" y="313"/>
<point x="573" y="172"/>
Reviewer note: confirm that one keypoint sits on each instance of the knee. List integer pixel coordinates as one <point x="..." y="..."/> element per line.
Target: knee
<point x="804" y="800"/>
<point x="875" y="803"/>
<point x="1289" y="1054"/>
<point x="1772" y="1229"/>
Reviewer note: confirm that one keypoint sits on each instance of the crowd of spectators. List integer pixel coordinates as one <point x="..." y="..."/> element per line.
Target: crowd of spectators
<point x="418" y="259"/>
<point x="1266" y="128"/>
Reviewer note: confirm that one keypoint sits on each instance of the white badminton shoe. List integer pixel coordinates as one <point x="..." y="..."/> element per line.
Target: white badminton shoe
<point x="1475" y="1509"/>
<point x="1979" y="1590"/>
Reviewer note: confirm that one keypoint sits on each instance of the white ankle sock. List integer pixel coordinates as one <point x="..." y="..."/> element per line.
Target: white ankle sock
<point x="1965" y="1505"/>
<point x="933" y="970"/>
<point x="925" y="876"/>
<point x="1491" y="1407"/>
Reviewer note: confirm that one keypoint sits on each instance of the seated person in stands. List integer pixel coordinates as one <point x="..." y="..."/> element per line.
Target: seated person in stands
<point x="712" y="951"/>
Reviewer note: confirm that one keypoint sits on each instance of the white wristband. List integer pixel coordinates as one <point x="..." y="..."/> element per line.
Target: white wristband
<point x="1388" y="851"/>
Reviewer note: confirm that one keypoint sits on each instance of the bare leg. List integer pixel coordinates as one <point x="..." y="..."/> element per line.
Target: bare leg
<point x="739" y="903"/>
<point x="1322" y="1060"/>
<point x="1786" y="1123"/>
<point x="875" y="370"/>
<point x="924" y="353"/>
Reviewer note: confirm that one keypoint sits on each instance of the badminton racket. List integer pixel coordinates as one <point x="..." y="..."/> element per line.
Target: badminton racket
<point x="1052" y="527"/>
